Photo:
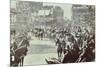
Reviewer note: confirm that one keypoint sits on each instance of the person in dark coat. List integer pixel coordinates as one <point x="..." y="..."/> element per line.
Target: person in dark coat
<point x="67" y="57"/>
<point x="63" y="46"/>
<point x="59" y="49"/>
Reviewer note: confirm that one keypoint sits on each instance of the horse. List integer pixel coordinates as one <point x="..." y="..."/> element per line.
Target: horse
<point x="40" y="34"/>
<point x="59" y="48"/>
<point x="20" y="52"/>
<point x="19" y="55"/>
<point x="63" y="46"/>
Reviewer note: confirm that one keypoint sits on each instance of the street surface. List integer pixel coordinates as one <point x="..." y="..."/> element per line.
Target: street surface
<point x="39" y="50"/>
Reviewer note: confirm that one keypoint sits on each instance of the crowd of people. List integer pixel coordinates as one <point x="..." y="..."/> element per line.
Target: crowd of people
<point x="80" y="44"/>
<point x="78" y="47"/>
<point x="71" y="47"/>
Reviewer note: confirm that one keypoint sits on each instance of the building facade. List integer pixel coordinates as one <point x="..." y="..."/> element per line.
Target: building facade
<point x="79" y="13"/>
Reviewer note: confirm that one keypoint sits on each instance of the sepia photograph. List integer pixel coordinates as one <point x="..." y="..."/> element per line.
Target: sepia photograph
<point x="43" y="33"/>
